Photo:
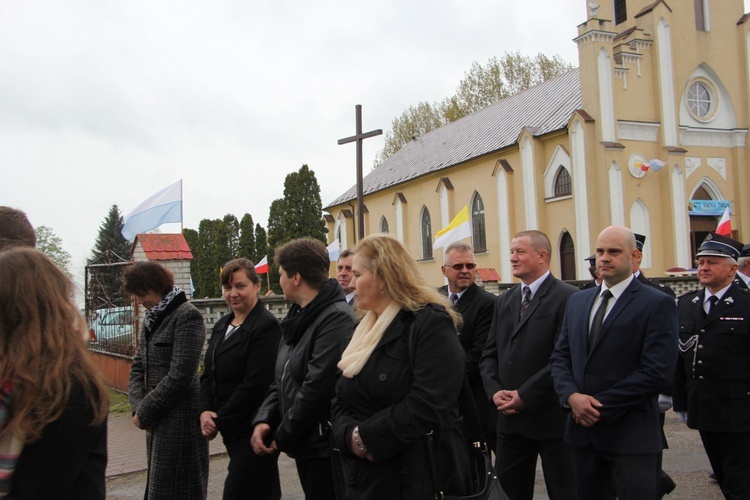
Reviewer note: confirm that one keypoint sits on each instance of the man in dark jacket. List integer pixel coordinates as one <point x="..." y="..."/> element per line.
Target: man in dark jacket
<point x="712" y="380"/>
<point x="476" y="306"/>
<point x="516" y="373"/>
<point x="295" y="414"/>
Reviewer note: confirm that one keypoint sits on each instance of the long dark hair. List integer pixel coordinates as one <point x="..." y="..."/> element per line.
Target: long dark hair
<point x="41" y="348"/>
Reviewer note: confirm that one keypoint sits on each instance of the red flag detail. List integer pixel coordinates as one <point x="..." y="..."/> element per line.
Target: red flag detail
<point x="262" y="266"/>
<point x="725" y="225"/>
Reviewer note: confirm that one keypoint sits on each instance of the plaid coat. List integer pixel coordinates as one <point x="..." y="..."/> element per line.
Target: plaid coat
<point x="163" y="392"/>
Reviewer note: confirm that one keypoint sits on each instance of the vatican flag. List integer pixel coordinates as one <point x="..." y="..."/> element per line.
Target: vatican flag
<point x="458" y="229"/>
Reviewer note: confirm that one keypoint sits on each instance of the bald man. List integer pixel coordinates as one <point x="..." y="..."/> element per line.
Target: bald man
<point x="616" y="352"/>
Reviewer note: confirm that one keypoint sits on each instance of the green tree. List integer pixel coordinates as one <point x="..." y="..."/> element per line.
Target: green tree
<point x="302" y="213"/>
<point x="110" y="252"/>
<point x="191" y="236"/>
<point x="481" y="86"/>
<point x="277" y="236"/>
<point x="208" y="257"/>
<point x="261" y="242"/>
<point x="246" y="244"/>
<point x="50" y="244"/>
<point x="231" y="228"/>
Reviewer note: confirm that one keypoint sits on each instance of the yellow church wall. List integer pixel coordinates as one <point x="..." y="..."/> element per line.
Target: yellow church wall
<point x="636" y="99"/>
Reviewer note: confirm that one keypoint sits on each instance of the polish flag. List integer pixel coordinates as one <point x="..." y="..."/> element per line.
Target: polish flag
<point x="262" y="266"/>
<point x="725" y="225"/>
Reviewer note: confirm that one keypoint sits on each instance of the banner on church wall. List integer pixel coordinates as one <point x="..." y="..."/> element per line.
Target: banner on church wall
<point x="709" y="207"/>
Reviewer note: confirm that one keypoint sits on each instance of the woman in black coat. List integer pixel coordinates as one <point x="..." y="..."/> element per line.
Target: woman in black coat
<point x="238" y="370"/>
<point x="402" y="374"/>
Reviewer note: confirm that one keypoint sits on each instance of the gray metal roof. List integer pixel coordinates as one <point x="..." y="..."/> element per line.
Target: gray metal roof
<point x="542" y="109"/>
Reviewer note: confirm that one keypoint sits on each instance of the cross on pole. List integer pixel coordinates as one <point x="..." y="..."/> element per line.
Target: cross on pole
<point x="360" y="196"/>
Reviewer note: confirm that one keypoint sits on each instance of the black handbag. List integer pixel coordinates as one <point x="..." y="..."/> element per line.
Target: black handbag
<point x="485" y="485"/>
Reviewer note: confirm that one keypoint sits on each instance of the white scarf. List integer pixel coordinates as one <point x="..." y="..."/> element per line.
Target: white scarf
<point x="366" y="337"/>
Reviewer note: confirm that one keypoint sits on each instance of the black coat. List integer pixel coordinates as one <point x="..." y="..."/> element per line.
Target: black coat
<point x="712" y="380"/>
<point x="656" y="284"/>
<point x="238" y="372"/>
<point x="517" y="355"/>
<point x="68" y="462"/>
<point x="406" y="389"/>
<point x="476" y="306"/>
<point x="298" y="403"/>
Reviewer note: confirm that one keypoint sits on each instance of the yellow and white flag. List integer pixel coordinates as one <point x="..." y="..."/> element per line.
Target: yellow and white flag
<point x="458" y="229"/>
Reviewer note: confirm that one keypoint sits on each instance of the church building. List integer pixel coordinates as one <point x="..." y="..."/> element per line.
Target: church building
<point x="650" y="131"/>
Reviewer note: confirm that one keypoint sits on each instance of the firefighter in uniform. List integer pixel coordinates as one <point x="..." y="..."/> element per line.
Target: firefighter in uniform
<point x="711" y="387"/>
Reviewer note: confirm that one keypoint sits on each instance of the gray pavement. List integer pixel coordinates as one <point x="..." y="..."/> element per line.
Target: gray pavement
<point x="685" y="461"/>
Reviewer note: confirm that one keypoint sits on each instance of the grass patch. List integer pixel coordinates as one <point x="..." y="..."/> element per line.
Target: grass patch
<point x="118" y="402"/>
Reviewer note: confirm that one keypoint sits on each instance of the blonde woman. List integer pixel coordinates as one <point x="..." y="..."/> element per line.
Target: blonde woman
<point x="402" y="374"/>
<point x="53" y="407"/>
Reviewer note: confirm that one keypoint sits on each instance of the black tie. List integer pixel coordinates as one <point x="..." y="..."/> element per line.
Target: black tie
<point x="526" y="300"/>
<point x="454" y="298"/>
<point x="712" y="300"/>
<point x="599" y="317"/>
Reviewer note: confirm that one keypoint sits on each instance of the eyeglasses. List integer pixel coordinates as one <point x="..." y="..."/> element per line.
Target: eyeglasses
<point x="468" y="266"/>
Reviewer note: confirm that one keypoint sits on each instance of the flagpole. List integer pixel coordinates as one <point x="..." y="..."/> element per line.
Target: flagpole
<point x="182" y="210"/>
<point x="268" y="278"/>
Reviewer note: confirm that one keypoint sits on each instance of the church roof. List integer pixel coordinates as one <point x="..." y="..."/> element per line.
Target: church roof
<point x="541" y="109"/>
<point x="164" y="246"/>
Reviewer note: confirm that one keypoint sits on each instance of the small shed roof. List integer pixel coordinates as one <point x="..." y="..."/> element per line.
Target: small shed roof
<point x="164" y="246"/>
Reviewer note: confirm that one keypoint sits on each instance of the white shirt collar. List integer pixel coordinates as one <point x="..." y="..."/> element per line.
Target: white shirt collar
<point x="536" y="284"/>
<point x="618" y="288"/>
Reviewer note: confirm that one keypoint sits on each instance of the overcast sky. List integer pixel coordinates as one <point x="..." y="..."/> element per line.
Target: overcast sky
<point x="107" y="102"/>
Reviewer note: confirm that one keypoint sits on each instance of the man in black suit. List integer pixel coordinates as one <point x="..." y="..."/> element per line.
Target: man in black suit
<point x="743" y="268"/>
<point x="516" y="373"/>
<point x="711" y="387"/>
<point x="616" y="352"/>
<point x="344" y="274"/>
<point x="475" y="305"/>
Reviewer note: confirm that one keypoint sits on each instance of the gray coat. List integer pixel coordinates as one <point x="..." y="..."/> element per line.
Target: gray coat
<point x="164" y="392"/>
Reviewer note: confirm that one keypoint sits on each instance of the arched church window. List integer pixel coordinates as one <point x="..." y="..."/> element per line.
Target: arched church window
<point x="562" y="183"/>
<point x="478" y="227"/>
<point x="383" y="225"/>
<point x="426" y="233"/>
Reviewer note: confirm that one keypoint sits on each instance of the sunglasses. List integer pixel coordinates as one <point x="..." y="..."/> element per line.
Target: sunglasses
<point x="468" y="266"/>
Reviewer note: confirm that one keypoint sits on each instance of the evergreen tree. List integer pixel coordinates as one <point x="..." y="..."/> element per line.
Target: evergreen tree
<point x="261" y="243"/>
<point x="277" y="236"/>
<point x="246" y="244"/>
<point x="191" y="236"/>
<point x="208" y="281"/>
<point x="104" y="286"/>
<point x="231" y="227"/>
<point x="303" y="210"/>
<point x="50" y="244"/>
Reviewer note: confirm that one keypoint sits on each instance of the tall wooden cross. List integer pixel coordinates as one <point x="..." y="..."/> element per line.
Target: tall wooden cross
<point x="360" y="196"/>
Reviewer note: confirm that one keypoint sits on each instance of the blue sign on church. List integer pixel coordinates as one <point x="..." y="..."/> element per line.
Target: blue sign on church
<point x="709" y="207"/>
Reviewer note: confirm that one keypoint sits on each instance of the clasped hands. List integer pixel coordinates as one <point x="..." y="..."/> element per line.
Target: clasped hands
<point x="208" y="426"/>
<point x="508" y="402"/>
<point x="585" y="409"/>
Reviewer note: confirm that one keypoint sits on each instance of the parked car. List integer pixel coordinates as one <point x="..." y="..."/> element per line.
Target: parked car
<point x="113" y="329"/>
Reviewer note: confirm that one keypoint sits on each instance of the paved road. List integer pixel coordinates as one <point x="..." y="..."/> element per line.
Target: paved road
<point x="685" y="461"/>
